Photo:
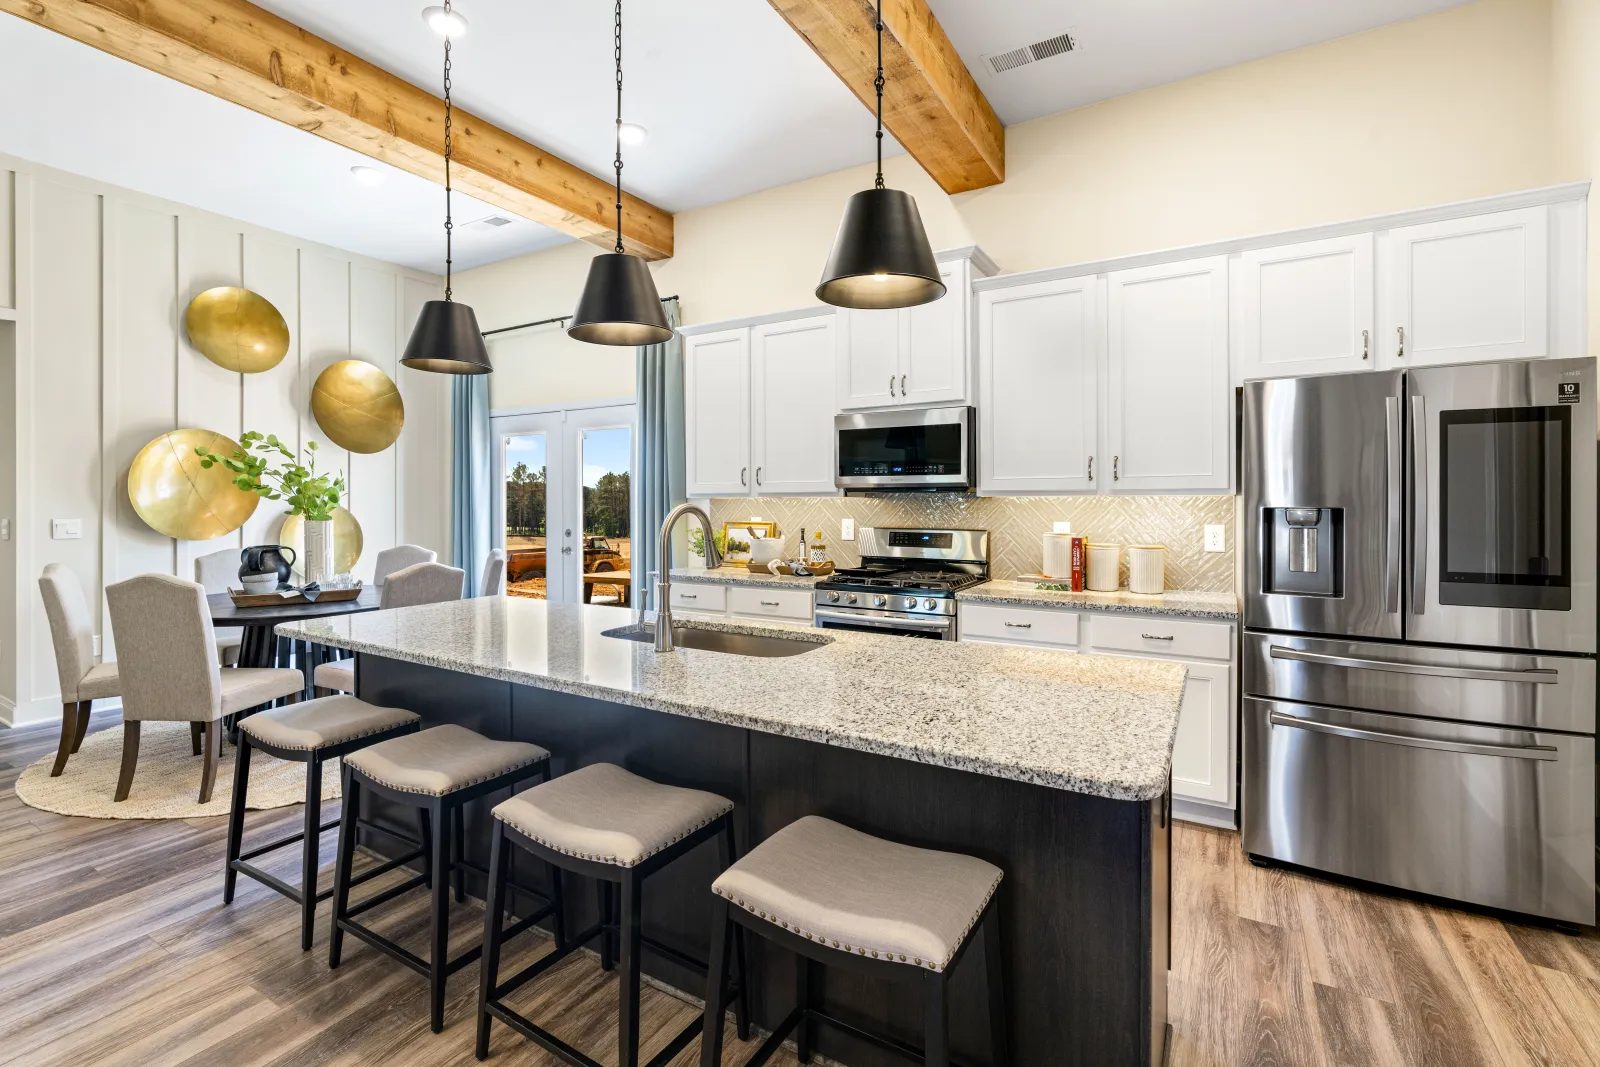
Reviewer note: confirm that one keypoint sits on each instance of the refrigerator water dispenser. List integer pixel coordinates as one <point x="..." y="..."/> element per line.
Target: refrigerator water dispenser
<point x="1304" y="551"/>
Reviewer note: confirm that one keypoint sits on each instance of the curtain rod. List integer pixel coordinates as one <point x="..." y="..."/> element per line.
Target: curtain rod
<point x="546" y="322"/>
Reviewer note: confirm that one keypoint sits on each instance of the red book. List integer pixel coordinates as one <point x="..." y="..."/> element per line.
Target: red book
<point x="1077" y="564"/>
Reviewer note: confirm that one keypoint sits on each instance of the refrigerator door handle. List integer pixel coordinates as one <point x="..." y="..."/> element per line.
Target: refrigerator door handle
<point x="1535" y="675"/>
<point x="1392" y="514"/>
<point x="1475" y="748"/>
<point x="1419" y="504"/>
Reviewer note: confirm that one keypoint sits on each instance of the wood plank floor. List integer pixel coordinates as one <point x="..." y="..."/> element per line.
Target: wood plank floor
<point x="115" y="950"/>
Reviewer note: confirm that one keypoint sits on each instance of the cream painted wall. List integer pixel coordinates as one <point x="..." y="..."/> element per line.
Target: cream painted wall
<point x="1446" y="107"/>
<point x="102" y="365"/>
<point x="1575" y="78"/>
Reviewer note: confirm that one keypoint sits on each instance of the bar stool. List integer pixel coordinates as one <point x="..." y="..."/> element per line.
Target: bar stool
<point x="312" y="733"/>
<point x="840" y="897"/>
<point x="605" y="823"/>
<point x="437" y="771"/>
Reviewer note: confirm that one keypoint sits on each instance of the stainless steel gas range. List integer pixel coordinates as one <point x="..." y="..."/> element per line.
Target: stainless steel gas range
<point x="906" y="584"/>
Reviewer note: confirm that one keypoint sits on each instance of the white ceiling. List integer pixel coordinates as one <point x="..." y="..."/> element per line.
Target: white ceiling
<point x="734" y="100"/>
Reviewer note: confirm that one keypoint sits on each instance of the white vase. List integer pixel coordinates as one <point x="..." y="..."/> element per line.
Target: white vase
<point x="318" y="563"/>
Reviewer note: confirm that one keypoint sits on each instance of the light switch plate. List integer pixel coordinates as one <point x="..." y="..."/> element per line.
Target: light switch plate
<point x="1063" y="527"/>
<point x="5" y="529"/>
<point x="1216" y="538"/>
<point x="96" y="644"/>
<point x="847" y="529"/>
<point x="66" y="529"/>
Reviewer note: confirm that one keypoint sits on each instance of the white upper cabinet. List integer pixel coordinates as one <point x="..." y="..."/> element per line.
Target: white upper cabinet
<point x="716" y="394"/>
<point x="792" y="406"/>
<point x="911" y="356"/>
<point x="1304" y="309"/>
<point x="1168" y="396"/>
<point x="1468" y="289"/>
<point x="1039" y="350"/>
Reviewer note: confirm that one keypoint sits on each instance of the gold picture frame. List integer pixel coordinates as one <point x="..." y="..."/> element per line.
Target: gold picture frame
<point x="742" y="554"/>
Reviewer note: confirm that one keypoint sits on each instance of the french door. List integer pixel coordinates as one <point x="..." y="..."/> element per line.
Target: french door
<point x="563" y="506"/>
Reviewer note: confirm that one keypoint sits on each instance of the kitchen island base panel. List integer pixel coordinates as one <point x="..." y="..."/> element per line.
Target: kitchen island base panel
<point x="1085" y="897"/>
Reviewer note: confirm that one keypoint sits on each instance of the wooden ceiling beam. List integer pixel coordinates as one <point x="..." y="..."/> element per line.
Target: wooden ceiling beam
<point x="251" y="57"/>
<point x="931" y="103"/>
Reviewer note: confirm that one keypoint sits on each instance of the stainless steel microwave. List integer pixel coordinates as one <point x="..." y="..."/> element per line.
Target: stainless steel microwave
<point x="906" y="450"/>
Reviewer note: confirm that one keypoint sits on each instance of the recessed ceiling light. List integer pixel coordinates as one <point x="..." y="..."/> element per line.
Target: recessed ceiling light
<point x="367" y="175"/>
<point x="451" y="24"/>
<point x="633" y="133"/>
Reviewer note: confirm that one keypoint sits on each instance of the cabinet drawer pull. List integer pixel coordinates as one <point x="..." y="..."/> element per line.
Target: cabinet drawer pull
<point x="689" y="596"/>
<point x="1116" y="468"/>
<point x="1020" y="625"/>
<point x="742" y="472"/>
<point x="902" y="385"/>
<point x="1366" y="344"/>
<point x="1091" y="468"/>
<point x="891" y="385"/>
<point x="758" y="475"/>
<point x="1402" y="353"/>
<point x="771" y="604"/>
<point x="1158" y="637"/>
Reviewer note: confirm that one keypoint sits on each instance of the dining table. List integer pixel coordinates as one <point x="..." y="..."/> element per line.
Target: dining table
<point x="260" y="647"/>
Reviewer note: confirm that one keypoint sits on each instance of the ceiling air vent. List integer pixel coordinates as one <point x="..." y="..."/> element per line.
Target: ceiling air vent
<point x="1058" y="45"/>
<point x="494" y="221"/>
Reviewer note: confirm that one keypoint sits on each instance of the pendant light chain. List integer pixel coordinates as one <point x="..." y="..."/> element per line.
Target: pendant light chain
<point x="877" y="83"/>
<point x="449" y="223"/>
<point x="618" y="52"/>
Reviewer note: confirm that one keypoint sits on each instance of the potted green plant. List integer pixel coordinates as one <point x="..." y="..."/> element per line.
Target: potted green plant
<point x="697" y="547"/>
<point x="307" y="493"/>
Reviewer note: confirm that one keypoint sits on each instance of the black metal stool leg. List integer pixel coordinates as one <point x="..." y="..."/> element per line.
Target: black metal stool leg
<point x="629" y="935"/>
<point x="716" y="985"/>
<point x="341" y="867"/>
<point x="241" y="784"/>
<point x="458" y="834"/>
<point x="493" y="919"/>
<point x="802" y="1002"/>
<point x="558" y="918"/>
<point x="999" y="1039"/>
<point x="603" y="891"/>
<point x="309" y="848"/>
<point x="425" y="824"/>
<point x="729" y="852"/>
<point x="935" y="1020"/>
<point x="439" y="957"/>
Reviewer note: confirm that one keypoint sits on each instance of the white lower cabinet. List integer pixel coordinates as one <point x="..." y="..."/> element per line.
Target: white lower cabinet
<point x="1205" y="752"/>
<point x="738" y="600"/>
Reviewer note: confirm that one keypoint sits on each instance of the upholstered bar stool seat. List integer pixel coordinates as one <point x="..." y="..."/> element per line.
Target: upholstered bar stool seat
<point x="312" y="733"/>
<point x="340" y="675"/>
<point x="836" y="896"/>
<point x="605" y="823"/>
<point x="437" y="771"/>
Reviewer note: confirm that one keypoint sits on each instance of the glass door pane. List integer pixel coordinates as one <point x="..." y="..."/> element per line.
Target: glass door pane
<point x="526" y="480"/>
<point x="605" y="458"/>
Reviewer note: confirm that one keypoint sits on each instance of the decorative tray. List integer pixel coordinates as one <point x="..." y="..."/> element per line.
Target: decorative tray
<point x="273" y="600"/>
<point x="818" y="570"/>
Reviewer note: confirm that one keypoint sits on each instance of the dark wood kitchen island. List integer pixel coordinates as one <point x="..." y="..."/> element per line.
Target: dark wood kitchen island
<point x="1050" y="765"/>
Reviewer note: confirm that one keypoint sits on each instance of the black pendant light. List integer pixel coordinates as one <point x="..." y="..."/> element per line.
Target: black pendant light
<point x="881" y="257"/>
<point x="446" y="339"/>
<point x="619" y="305"/>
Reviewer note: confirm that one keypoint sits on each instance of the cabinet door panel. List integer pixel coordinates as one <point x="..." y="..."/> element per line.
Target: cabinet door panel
<point x="1202" y="754"/>
<point x="716" y="370"/>
<point x="1039" y="349"/>
<point x="934" y="355"/>
<point x="1169" y="395"/>
<point x="1469" y="289"/>
<point x="869" y="358"/>
<point x="792" y="407"/>
<point x="1305" y="309"/>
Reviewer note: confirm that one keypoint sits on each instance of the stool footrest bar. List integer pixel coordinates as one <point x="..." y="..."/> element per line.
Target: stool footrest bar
<point x="545" y="962"/>
<point x="383" y="868"/>
<point x="387" y="895"/>
<point x="540" y="1036"/>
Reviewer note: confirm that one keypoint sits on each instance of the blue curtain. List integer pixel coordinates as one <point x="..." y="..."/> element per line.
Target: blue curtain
<point x="660" y="487"/>
<point x="471" y="506"/>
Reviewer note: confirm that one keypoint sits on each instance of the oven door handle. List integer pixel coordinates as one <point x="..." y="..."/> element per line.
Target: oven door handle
<point x="1473" y="748"/>
<point x="1534" y="675"/>
<point x="885" y="622"/>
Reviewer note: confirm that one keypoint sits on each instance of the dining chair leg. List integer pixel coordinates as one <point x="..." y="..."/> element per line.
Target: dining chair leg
<point x="310" y="846"/>
<point x="241" y="786"/>
<point x="208" y="771"/>
<point x="130" y="758"/>
<point x="84" y="708"/>
<point x="69" y="730"/>
<point x="195" y="730"/>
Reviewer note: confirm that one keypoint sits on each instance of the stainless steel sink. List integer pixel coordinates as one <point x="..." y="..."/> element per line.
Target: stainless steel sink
<point x="721" y="641"/>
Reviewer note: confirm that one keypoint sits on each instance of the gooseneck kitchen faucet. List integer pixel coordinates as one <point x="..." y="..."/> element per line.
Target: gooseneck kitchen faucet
<point x="664" y="575"/>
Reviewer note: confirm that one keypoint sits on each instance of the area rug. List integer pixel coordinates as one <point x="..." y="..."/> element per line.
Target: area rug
<point x="167" y="782"/>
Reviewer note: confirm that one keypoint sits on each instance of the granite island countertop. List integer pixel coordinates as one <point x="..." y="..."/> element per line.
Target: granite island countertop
<point x="741" y="575"/>
<point x="1100" y="725"/>
<point x="1193" y="603"/>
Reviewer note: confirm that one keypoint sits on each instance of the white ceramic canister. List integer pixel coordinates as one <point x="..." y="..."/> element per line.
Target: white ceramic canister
<point x="1147" y="568"/>
<point x="1103" y="567"/>
<point x="1057" y="556"/>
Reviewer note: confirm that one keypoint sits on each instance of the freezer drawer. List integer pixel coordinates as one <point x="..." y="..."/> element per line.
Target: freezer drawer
<point x="1495" y="688"/>
<point x="1498" y="818"/>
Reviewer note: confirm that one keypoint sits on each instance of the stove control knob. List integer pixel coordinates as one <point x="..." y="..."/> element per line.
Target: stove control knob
<point x="851" y="599"/>
<point x="879" y="601"/>
<point x="833" y="598"/>
<point x="911" y="603"/>
<point x="930" y="603"/>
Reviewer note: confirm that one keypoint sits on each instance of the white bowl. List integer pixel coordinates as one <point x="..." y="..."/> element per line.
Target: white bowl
<point x="260" y="583"/>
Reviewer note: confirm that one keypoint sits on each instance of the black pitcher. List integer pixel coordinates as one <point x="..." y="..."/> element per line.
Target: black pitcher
<point x="266" y="559"/>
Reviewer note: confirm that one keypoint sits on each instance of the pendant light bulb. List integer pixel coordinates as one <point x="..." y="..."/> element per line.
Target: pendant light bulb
<point x="446" y="338"/>
<point x="619" y="304"/>
<point x="881" y="257"/>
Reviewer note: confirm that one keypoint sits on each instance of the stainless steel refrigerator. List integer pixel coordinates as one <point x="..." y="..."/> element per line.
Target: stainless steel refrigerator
<point x="1420" y="630"/>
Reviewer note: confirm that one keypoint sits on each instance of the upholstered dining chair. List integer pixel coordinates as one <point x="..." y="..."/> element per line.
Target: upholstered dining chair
<point x="167" y="655"/>
<point x="83" y="681"/>
<point x="494" y="572"/>
<point x="399" y="558"/>
<point x="217" y="571"/>
<point x="422" y="583"/>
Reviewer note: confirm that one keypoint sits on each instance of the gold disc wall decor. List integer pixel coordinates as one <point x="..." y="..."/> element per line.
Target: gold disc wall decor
<point x="237" y="329"/>
<point x="357" y="406"/>
<point x="347" y="539"/>
<point x="176" y="496"/>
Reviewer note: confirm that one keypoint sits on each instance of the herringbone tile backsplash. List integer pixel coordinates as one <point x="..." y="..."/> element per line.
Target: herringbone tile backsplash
<point x="1016" y="525"/>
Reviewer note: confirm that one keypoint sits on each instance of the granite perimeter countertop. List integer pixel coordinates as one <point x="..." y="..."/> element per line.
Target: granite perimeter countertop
<point x="1192" y="603"/>
<point x="742" y="575"/>
<point x="1101" y="725"/>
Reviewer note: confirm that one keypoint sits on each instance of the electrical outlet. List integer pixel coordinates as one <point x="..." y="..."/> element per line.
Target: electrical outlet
<point x="1216" y="538"/>
<point x="847" y="529"/>
<point x="66" y="529"/>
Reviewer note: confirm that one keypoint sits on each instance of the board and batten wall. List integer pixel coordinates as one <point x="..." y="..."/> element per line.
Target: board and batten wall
<point x="95" y="363"/>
